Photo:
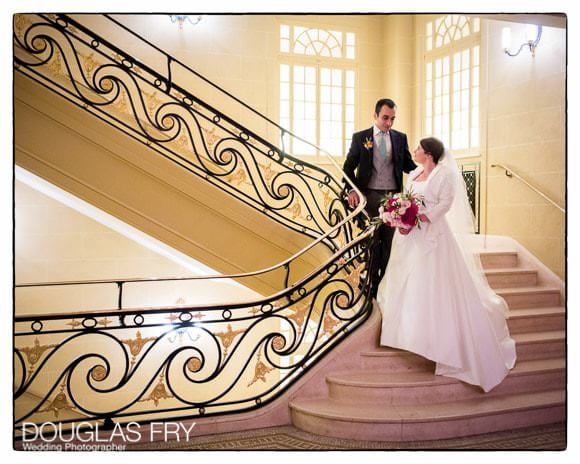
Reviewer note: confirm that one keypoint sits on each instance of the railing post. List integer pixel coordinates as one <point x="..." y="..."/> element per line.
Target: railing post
<point x="286" y="277"/>
<point x="108" y="423"/>
<point x="120" y="300"/>
<point x="282" y="131"/>
<point x="168" y="74"/>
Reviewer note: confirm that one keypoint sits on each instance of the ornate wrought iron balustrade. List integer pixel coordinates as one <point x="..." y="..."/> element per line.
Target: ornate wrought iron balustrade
<point x="161" y="363"/>
<point x="142" y="365"/>
<point x="63" y="55"/>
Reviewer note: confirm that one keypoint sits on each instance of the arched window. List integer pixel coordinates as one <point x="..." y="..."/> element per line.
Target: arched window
<point x="317" y="88"/>
<point x="452" y="69"/>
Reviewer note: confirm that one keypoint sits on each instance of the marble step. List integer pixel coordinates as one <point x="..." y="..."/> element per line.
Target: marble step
<point x="530" y="297"/>
<point x="525" y="320"/>
<point x="529" y="345"/>
<point x="398" y="388"/>
<point x="389" y="359"/>
<point x="511" y="277"/>
<point x="499" y="259"/>
<point x="485" y="414"/>
<point x="540" y="345"/>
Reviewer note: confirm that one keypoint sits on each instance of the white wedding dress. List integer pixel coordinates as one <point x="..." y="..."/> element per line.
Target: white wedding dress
<point x="434" y="304"/>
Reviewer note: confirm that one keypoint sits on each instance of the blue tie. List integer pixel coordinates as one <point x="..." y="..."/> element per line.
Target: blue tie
<point x="383" y="146"/>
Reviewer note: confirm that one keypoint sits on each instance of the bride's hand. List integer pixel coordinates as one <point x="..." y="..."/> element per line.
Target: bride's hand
<point x="404" y="231"/>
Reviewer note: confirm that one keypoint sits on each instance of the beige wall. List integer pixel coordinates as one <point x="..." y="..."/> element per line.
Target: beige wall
<point x="526" y="132"/>
<point x="54" y="242"/>
<point x="241" y="54"/>
<point x="398" y="73"/>
<point x="523" y="116"/>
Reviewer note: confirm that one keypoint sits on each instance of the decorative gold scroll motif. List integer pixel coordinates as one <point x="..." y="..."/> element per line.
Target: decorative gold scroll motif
<point x="299" y="316"/>
<point x="296" y="210"/>
<point x="267" y="171"/>
<point x="228" y="337"/>
<point x="328" y="324"/>
<point x="21" y="22"/>
<point x="104" y="322"/>
<point x="90" y="64"/>
<point x="59" y="403"/>
<point x="74" y="323"/>
<point x="35" y="352"/>
<point x="55" y="65"/>
<point x="210" y="137"/>
<point x="152" y="102"/>
<point x="327" y="199"/>
<point x="260" y="372"/>
<point x="136" y="345"/>
<point x="159" y="392"/>
<point x="194" y="364"/>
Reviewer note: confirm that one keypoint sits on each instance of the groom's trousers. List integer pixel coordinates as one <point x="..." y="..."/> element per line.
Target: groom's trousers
<point x="385" y="239"/>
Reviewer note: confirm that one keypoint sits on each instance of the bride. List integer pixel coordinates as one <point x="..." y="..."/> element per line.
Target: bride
<point x="434" y="298"/>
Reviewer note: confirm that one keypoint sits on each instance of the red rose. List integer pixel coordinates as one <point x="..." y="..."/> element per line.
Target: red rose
<point x="410" y="215"/>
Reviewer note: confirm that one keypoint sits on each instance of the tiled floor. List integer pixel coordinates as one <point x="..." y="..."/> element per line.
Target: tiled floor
<point x="546" y="437"/>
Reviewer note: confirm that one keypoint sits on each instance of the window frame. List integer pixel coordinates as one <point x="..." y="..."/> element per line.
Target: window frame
<point x="343" y="64"/>
<point x="449" y="50"/>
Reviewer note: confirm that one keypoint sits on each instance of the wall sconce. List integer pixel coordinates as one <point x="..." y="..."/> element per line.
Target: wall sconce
<point x="180" y="19"/>
<point x="533" y="34"/>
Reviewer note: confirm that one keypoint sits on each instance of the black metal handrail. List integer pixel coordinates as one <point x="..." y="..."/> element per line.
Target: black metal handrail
<point x="286" y="265"/>
<point x="177" y="362"/>
<point x="169" y="118"/>
<point x="171" y="59"/>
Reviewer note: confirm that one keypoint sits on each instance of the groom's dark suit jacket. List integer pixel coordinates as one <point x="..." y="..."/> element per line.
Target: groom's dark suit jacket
<point x="360" y="158"/>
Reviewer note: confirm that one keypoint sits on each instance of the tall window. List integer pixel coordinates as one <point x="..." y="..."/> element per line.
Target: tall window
<point x="317" y="89"/>
<point x="452" y="70"/>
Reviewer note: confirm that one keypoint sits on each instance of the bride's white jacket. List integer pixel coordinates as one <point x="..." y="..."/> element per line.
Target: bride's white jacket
<point x="439" y="192"/>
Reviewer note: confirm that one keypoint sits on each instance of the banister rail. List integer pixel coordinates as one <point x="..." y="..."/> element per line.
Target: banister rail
<point x="511" y="173"/>
<point x="65" y="22"/>
<point x="122" y="281"/>
<point x="171" y="59"/>
<point x="283" y="130"/>
<point x="175" y="123"/>
<point x="136" y="364"/>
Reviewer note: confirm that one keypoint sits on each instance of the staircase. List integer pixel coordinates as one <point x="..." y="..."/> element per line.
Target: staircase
<point x="146" y="143"/>
<point x="316" y="298"/>
<point x="395" y="396"/>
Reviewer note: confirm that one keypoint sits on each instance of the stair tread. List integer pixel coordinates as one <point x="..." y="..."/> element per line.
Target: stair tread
<point x="518" y="337"/>
<point x="481" y="406"/>
<point x="536" y="312"/>
<point x="387" y="351"/>
<point x="539" y="336"/>
<point x="508" y="270"/>
<point x="497" y="252"/>
<point x="533" y="289"/>
<point x="381" y="379"/>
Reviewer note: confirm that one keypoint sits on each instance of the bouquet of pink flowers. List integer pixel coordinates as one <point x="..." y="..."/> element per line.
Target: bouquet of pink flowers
<point x="401" y="210"/>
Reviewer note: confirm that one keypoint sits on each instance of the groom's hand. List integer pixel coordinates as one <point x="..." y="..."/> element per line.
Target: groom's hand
<point x="353" y="199"/>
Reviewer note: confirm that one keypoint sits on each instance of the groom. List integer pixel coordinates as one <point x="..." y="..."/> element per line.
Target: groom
<point x="380" y="155"/>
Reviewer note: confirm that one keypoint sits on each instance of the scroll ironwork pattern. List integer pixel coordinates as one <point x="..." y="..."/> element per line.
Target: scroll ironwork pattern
<point x="61" y="54"/>
<point x="186" y="362"/>
<point x="160" y="363"/>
